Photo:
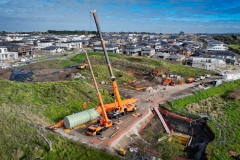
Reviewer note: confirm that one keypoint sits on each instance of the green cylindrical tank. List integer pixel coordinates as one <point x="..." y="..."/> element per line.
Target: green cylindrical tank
<point x="80" y="118"/>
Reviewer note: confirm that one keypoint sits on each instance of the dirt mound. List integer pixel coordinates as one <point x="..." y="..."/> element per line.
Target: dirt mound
<point x="5" y="74"/>
<point x="46" y="75"/>
<point x="234" y="95"/>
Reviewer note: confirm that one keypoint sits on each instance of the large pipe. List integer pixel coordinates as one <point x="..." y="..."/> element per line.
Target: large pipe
<point x="80" y="118"/>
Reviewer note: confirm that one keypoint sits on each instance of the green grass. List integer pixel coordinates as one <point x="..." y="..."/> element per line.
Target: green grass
<point x="27" y="107"/>
<point x="82" y="56"/>
<point x="221" y="90"/>
<point x="101" y="74"/>
<point x="141" y="65"/>
<point x="63" y="97"/>
<point x="234" y="46"/>
<point x="225" y="112"/>
<point x="185" y="72"/>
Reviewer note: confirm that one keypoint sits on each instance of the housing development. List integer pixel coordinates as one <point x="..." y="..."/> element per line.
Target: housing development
<point x="120" y="95"/>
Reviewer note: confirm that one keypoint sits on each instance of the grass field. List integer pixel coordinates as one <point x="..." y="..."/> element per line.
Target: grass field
<point x="224" y="117"/>
<point x="26" y="108"/>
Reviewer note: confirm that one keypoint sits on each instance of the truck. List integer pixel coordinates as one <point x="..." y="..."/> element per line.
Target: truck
<point x="190" y="80"/>
<point x="103" y="122"/>
<point x="128" y="105"/>
<point x="167" y="81"/>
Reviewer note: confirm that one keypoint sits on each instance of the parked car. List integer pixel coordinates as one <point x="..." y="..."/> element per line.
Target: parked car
<point x="23" y="60"/>
<point x="197" y="79"/>
<point x="202" y="77"/>
<point x="207" y="75"/>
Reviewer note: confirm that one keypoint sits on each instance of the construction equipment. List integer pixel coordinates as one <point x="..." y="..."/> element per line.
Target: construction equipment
<point x="82" y="66"/>
<point x="104" y="122"/>
<point x="120" y="106"/>
<point x="56" y="126"/>
<point x="167" y="81"/>
<point x="122" y="151"/>
<point x="190" y="80"/>
<point x="158" y="72"/>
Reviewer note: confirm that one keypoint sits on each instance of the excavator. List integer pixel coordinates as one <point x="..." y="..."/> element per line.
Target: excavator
<point x="122" y="106"/>
<point x="104" y="122"/>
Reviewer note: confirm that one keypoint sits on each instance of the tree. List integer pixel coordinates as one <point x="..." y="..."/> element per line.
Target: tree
<point x="181" y="33"/>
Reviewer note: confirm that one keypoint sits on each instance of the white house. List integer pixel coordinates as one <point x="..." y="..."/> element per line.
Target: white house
<point x="147" y="52"/>
<point x="206" y="63"/>
<point x="70" y="45"/>
<point x="5" y="55"/>
<point x="53" y="49"/>
<point x="217" y="46"/>
<point x="44" y="44"/>
<point x="109" y="47"/>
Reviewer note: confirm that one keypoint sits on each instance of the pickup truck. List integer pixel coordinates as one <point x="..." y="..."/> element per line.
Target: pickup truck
<point x="113" y="114"/>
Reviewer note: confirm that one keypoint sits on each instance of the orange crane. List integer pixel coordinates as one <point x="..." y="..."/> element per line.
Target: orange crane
<point x="122" y="106"/>
<point x="104" y="122"/>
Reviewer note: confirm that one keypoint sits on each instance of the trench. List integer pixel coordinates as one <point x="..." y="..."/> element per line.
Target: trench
<point x="197" y="128"/>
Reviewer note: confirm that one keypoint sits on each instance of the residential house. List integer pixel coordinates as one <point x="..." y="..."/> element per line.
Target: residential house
<point x="208" y="63"/>
<point x="227" y="56"/>
<point x="158" y="48"/>
<point x="109" y="47"/>
<point x="44" y="44"/>
<point x="147" y="52"/>
<point x="85" y="43"/>
<point x="161" y="55"/>
<point x="133" y="51"/>
<point x="172" y="39"/>
<point x="53" y="49"/>
<point x="219" y="47"/>
<point x="94" y="42"/>
<point x="5" y="55"/>
<point x="187" y="52"/>
<point x="69" y="45"/>
<point x="21" y="49"/>
<point x="63" y="38"/>
<point x="171" y="51"/>
<point x="176" y="57"/>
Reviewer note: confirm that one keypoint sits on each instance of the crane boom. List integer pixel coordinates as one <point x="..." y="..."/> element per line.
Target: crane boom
<point x="104" y="119"/>
<point x="113" y="79"/>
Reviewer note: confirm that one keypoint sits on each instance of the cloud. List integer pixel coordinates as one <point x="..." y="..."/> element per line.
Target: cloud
<point x="121" y="15"/>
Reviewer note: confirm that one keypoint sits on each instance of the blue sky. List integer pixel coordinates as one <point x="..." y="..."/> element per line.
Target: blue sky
<point x="168" y="16"/>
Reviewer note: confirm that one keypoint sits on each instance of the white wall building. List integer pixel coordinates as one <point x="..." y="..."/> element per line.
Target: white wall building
<point x="218" y="46"/>
<point x="5" y="55"/>
<point x="44" y="44"/>
<point x="69" y="45"/>
<point x="207" y="63"/>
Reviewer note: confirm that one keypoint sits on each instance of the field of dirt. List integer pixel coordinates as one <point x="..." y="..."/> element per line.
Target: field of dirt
<point x="45" y="75"/>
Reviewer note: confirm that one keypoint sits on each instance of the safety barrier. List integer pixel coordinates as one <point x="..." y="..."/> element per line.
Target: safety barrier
<point x="175" y="115"/>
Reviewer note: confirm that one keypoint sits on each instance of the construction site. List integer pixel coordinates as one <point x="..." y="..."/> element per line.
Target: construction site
<point x="130" y="126"/>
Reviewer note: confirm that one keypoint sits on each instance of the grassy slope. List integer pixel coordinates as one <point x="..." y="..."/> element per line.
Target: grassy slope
<point x="142" y="62"/>
<point x="26" y="107"/>
<point x="225" y="112"/>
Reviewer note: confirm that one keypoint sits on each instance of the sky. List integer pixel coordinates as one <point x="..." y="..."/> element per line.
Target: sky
<point x="168" y="16"/>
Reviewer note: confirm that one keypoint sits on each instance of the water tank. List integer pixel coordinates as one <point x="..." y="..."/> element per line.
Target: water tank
<point x="80" y="118"/>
